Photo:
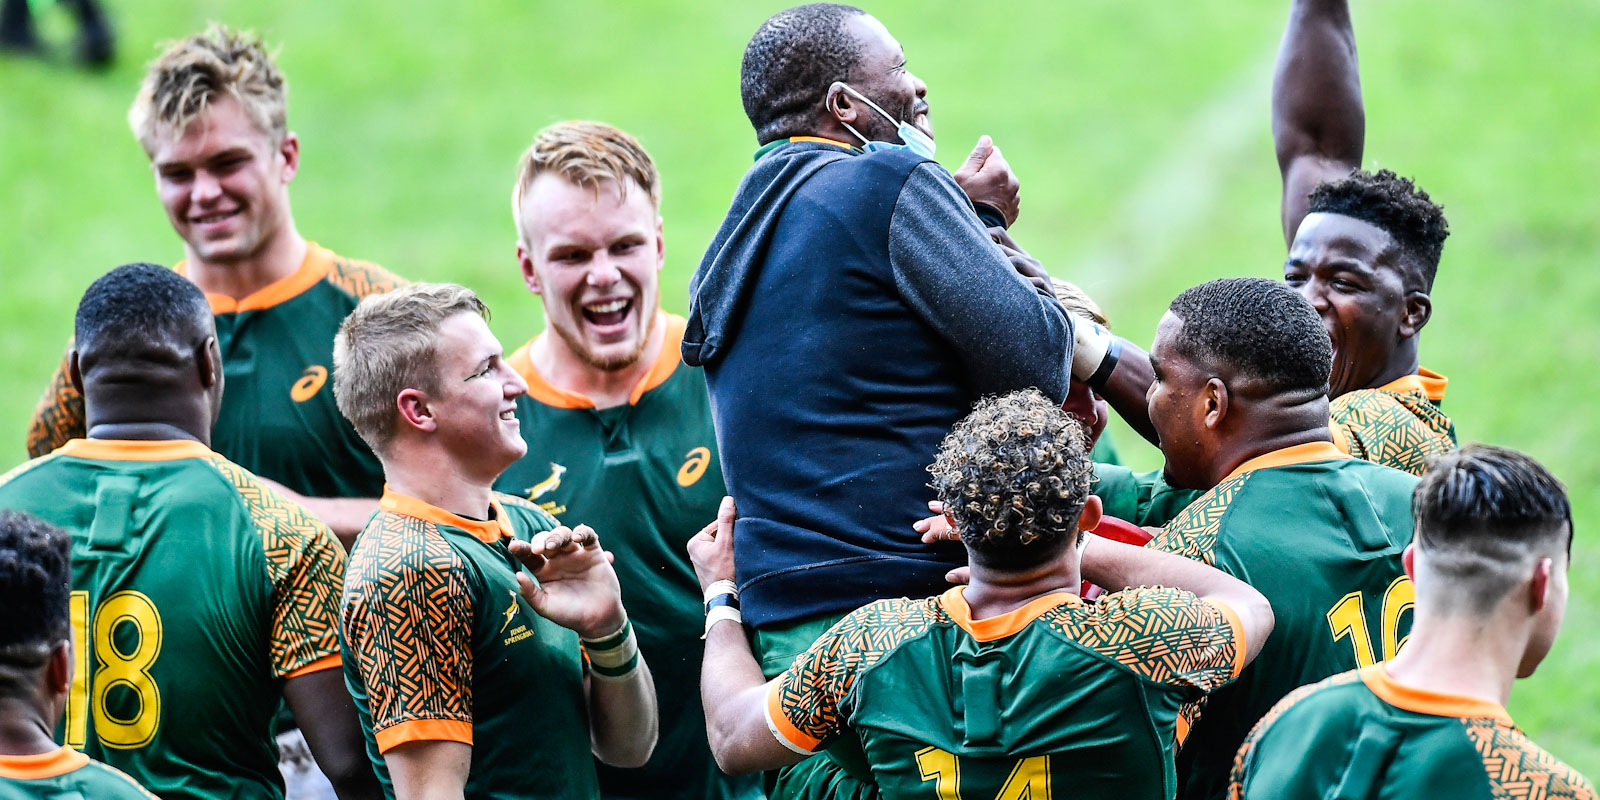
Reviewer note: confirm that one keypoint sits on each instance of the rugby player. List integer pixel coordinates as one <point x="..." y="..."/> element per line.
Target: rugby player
<point x="36" y="670"/>
<point x="1240" y="404"/>
<point x="468" y="676"/>
<point x="212" y="117"/>
<point x="1489" y="565"/>
<point x="1363" y="247"/>
<point x="1010" y="685"/>
<point x="201" y="596"/>
<point x="618" y="428"/>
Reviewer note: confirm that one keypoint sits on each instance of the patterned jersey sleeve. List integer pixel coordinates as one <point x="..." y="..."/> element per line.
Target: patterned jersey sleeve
<point x="809" y="704"/>
<point x="1169" y="636"/>
<point x="59" y="415"/>
<point x="1194" y="532"/>
<point x="361" y="279"/>
<point x="305" y="565"/>
<point x="1519" y="768"/>
<point x="407" y="621"/>
<point x="1400" y="430"/>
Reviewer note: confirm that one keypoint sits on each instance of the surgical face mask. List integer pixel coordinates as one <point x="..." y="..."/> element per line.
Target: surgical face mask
<point x="915" y="140"/>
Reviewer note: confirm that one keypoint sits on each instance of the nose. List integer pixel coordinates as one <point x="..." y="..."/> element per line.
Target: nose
<point x="921" y="88"/>
<point x="1316" y="294"/>
<point x="205" y="189"/>
<point x="603" y="271"/>
<point x="514" y="386"/>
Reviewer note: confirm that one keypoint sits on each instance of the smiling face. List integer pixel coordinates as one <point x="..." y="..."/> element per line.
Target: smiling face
<point x="594" y="256"/>
<point x="224" y="182"/>
<point x="1349" y="270"/>
<point x="881" y="75"/>
<point x="1177" y="410"/>
<point x="474" y="407"/>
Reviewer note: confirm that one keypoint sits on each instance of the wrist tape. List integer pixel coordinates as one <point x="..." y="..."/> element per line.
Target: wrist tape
<point x="613" y="656"/>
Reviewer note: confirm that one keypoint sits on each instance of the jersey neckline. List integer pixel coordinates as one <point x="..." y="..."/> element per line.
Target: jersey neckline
<point x="989" y="629"/>
<point x="542" y="390"/>
<point x="313" y="268"/>
<point x="1426" y="382"/>
<point x="42" y="765"/>
<point x="135" y="449"/>
<point x="1423" y="701"/>
<point x="1289" y="456"/>
<point x="487" y="531"/>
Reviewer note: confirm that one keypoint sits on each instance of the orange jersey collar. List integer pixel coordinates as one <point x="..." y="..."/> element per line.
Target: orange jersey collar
<point x="1426" y="382"/>
<point x="1289" y="456"/>
<point x="488" y="530"/>
<point x="542" y="390"/>
<point x="316" y="265"/>
<point x="42" y="765"/>
<point x="954" y="602"/>
<point x="1423" y="701"/>
<point x="135" y="449"/>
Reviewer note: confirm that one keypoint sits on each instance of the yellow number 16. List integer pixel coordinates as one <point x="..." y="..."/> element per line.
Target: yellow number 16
<point x="1348" y="617"/>
<point x="129" y="669"/>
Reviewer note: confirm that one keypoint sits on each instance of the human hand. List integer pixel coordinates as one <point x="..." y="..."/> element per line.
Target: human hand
<point x="1027" y="266"/>
<point x="711" y="550"/>
<point x="576" y="587"/>
<point x="936" y="528"/>
<point x="986" y="177"/>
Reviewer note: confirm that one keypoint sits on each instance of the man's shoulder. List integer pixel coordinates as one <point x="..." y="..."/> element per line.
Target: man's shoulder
<point x="399" y="550"/>
<point x="360" y="278"/>
<point x="526" y="517"/>
<point x="1513" y="760"/>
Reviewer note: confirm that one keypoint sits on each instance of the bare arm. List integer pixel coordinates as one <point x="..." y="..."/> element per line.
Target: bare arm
<point x="1116" y="369"/>
<point x="321" y="706"/>
<point x="732" y="689"/>
<point x="345" y="516"/>
<point x="1114" y="564"/>
<point x="429" y="770"/>
<point x="578" y="590"/>
<point x="1318" y="122"/>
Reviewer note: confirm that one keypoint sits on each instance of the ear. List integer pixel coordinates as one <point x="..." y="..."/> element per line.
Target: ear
<point x="413" y="405"/>
<point x="289" y="148"/>
<point x="208" y="362"/>
<point x="840" y="104"/>
<point x="1215" y="396"/>
<point x="59" y="672"/>
<point x="661" y="243"/>
<point x="1408" y="559"/>
<point x="1418" y="310"/>
<point x="530" y="278"/>
<point x="1539" y="587"/>
<point x="74" y="374"/>
<point x="1093" y="512"/>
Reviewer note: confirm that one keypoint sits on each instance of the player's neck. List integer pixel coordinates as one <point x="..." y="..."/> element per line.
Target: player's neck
<point x="1460" y="655"/>
<point x="1402" y="362"/>
<point x="23" y="731"/>
<point x="992" y="592"/>
<point x="556" y="362"/>
<point x="279" y="256"/>
<point x="1266" y="435"/>
<point x="434" y="479"/>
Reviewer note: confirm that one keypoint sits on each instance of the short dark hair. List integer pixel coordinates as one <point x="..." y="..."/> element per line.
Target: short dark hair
<point x="789" y="64"/>
<point x="136" y="306"/>
<point x="1257" y="328"/>
<point x="1014" y="476"/>
<point x="1398" y="206"/>
<point x="1484" y="514"/>
<point x="35" y="581"/>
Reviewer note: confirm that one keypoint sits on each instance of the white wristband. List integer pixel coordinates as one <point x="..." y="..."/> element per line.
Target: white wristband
<point x="721" y="587"/>
<point x="719" y="614"/>
<point x="1090" y="343"/>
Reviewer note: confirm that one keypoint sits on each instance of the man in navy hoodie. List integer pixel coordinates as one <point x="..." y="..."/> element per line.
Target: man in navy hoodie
<point x="849" y="312"/>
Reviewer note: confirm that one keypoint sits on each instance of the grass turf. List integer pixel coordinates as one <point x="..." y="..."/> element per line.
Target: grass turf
<point x="1140" y="134"/>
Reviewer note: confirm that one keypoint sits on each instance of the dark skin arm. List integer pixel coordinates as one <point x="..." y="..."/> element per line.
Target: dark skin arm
<point x="1318" y="122"/>
<point x="1127" y="387"/>
<point x="321" y="705"/>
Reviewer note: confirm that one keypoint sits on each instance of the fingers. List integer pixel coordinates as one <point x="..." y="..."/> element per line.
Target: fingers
<point x="981" y="152"/>
<point x="936" y="506"/>
<point x="959" y="575"/>
<point x="726" y="514"/>
<point x="524" y="552"/>
<point x="564" y="538"/>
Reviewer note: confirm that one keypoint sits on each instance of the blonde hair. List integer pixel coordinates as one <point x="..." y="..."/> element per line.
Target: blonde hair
<point x="587" y="154"/>
<point x="387" y="345"/>
<point x="1076" y="301"/>
<point x="191" y="73"/>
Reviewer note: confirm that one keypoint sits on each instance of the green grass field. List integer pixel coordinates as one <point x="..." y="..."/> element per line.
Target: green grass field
<point x="1140" y="132"/>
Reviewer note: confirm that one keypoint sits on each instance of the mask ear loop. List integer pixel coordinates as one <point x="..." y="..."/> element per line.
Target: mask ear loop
<point x="863" y="98"/>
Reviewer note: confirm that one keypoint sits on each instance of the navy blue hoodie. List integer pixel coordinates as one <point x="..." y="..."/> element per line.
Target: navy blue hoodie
<point x="849" y="312"/>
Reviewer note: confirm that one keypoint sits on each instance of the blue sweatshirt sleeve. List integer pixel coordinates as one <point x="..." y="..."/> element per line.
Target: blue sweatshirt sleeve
<point x="1009" y="335"/>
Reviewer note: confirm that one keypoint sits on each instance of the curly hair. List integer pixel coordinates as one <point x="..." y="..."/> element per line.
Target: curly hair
<point x="1014" y="476"/>
<point x="191" y="73"/>
<point x="35" y="579"/>
<point x="1258" y="329"/>
<point x="789" y="64"/>
<point x="1399" y="207"/>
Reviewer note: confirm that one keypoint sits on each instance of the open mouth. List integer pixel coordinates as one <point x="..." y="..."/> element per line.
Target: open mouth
<point x="608" y="312"/>
<point x="509" y="415"/>
<point x="214" y="218"/>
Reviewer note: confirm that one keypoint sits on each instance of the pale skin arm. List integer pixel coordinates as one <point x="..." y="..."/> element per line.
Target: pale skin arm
<point x="577" y="589"/>
<point x="345" y="516"/>
<point x="732" y="689"/>
<point x="1318" y="122"/>
<point x="429" y="770"/>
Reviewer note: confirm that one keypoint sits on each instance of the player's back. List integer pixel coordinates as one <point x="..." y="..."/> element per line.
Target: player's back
<point x="1320" y="534"/>
<point x="1364" y="735"/>
<point x="195" y="592"/>
<point x="1082" y="698"/>
<point x="64" y="774"/>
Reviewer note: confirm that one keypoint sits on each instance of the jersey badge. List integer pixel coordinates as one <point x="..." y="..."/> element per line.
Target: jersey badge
<point x="309" y="384"/>
<point x="510" y="612"/>
<point x="518" y="633"/>
<point x="549" y="484"/>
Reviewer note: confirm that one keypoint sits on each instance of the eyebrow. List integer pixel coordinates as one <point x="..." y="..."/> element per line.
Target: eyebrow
<point x="228" y="153"/>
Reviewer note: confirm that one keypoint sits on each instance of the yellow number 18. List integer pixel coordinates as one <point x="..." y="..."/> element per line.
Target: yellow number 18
<point x="1348" y="617"/>
<point x="129" y="669"/>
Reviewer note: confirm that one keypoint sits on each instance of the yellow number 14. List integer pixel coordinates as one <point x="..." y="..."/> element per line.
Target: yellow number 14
<point x="1029" y="779"/>
<point x="128" y="669"/>
<point x="1348" y="617"/>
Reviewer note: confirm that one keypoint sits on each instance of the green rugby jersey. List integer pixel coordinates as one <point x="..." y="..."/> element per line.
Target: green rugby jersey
<point x="1362" y="735"/>
<point x="1142" y="498"/>
<point x="646" y="476"/>
<point x="1320" y="535"/>
<point x="440" y="646"/>
<point x="65" y="774"/>
<point x="196" y="592"/>
<point x="278" y="415"/>
<point x="1056" y="698"/>
<point x="1397" y="425"/>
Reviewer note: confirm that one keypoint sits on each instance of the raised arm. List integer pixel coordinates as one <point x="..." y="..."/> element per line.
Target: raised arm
<point x="1318" y="123"/>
